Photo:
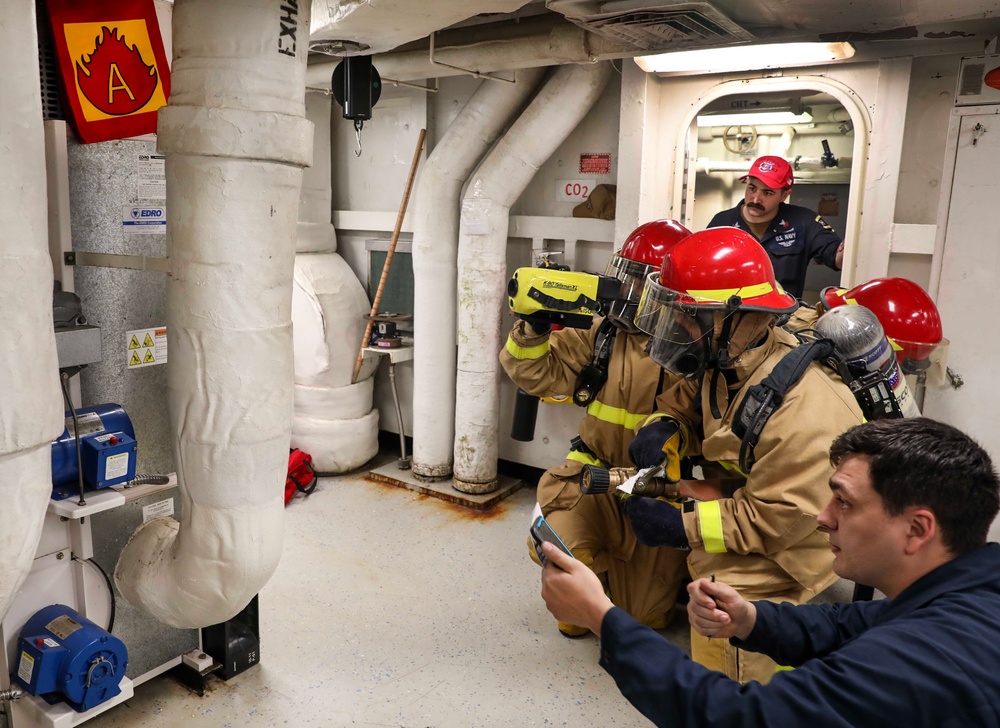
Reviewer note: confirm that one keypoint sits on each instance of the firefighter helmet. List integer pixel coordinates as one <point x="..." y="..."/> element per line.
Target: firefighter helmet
<point x="910" y="319"/>
<point x="640" y="254"/>
<point x="716" y="270"/>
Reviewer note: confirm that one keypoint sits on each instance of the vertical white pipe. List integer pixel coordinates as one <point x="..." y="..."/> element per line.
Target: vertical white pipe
<point x="235" y="140"/>
<point x="435" y="254"/>
<point x="31" y="415"/>
<point x="552" y="115"/>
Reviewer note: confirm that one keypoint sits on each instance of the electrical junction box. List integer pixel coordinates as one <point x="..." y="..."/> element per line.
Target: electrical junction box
<point x="108" y="459"/>
<point x="979" y="81"/>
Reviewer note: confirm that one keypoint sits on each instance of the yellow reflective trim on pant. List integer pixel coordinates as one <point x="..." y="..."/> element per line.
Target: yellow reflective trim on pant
<point x="614" y="415"/>
<point x="582" y="457"/>
<point x="527" y="352"/>
<point x="710" y="520"/>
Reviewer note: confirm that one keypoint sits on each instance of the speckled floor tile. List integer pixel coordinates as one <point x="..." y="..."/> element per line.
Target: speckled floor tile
<point x="392" y="608"/>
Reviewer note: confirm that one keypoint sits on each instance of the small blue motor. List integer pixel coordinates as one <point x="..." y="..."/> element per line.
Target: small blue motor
<point x="107" y="450"/>
<point x="63" y="655"/>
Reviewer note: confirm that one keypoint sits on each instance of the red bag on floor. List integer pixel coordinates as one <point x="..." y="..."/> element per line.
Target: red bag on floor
<point x="301" y="474"/>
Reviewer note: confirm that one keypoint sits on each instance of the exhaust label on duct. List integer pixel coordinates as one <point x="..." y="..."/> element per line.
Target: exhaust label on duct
<point x="145" y="220"/>
<point x="288" y="25"/>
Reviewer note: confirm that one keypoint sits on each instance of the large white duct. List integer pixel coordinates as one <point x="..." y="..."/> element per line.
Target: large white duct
<point x="235" y="140"/>
<point x="435" y="253"/>
<point x="31" y="415"/>
<point x="334" y="420"/>
<point x="560" y="44"/>
<point x="557" y="109"/>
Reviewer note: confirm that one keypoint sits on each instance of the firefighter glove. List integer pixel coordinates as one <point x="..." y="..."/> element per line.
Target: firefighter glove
<point x="658" y="443"/>
<point x="656" y="522"/>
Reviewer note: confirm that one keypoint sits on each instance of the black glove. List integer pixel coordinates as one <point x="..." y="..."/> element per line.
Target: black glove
<point x="535" y="327"/>
<point x="656" y="441"/>
<point x="656" y="522"/>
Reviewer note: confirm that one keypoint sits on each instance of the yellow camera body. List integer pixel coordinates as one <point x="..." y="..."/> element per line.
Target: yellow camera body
<point x="563" y="297"/>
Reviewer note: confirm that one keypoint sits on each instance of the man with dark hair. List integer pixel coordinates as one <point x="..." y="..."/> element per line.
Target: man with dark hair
<point x="912" y="503"/>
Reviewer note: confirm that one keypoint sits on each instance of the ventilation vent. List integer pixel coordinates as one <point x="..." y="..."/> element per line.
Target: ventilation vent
<point x="48" y="67"/>
<point x="653" y="28"/>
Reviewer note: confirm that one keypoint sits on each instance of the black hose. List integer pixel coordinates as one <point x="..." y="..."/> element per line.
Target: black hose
<point x="63" y="379"/>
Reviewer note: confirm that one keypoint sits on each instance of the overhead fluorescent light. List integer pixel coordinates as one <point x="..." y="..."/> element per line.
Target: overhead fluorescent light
<point x="751" y="118"/>
<point x="745" y="57"/>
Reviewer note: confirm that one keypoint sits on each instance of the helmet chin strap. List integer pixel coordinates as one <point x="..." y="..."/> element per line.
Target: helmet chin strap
<point x="718" y="363"/>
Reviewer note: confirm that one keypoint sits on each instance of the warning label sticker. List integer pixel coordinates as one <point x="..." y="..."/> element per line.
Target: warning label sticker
<point x="146" y="347"/>
<point x="25" y="667"/>
<point x="116" y="466"/>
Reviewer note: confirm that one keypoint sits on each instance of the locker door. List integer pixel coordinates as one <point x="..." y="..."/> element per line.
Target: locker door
<point x="967" y="294"/>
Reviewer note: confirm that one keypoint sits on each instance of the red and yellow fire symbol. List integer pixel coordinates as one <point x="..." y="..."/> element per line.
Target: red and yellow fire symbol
<point x="115" y="69"/>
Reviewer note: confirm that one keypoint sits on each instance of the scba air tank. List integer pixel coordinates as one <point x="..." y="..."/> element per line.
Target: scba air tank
<point x="861" y="341"/>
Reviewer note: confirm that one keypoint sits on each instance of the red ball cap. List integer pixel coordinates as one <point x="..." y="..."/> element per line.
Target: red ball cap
<point x="774" y="172"/>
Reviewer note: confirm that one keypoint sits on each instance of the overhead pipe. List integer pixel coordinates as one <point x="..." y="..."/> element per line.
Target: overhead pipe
<point x="558" y="108"/>
<point x="31" y="415"/>
<point x="562" y="43"/>
<point x="437" y="202"/>
<point x="235" y="139"/>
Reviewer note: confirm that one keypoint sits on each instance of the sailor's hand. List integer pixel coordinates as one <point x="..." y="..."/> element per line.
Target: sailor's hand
<point x="717" y="610"/>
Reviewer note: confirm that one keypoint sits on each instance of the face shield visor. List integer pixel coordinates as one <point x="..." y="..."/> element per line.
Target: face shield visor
<point x="633" y="277"/>
<point x="680" y="329"/>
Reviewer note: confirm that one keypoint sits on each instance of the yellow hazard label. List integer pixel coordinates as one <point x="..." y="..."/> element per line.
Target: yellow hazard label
<point x="135" y="359"/>
<point x="148" y="341"/>
<point x="149" y="357"/>
<point x="134" y="343"/>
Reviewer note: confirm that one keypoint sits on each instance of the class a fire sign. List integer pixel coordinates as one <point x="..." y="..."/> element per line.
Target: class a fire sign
<point x="113" y="66"/>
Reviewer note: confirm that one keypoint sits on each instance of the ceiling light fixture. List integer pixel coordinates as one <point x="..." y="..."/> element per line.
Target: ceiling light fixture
<point x="751" y="118"/>
<point x="745" y="57"/>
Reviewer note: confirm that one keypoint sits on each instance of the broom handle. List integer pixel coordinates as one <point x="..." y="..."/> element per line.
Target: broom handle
<point x="388" y="257"/>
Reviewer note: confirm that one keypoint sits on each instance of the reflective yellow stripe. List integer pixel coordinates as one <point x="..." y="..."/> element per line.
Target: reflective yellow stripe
<point x="724" y="294"/>
<point x="654" y="417"/>
<point x="582" y="457"/>
<point x="527" y="352"/>
<point x="710" y="519"/>
<point x="614" y="415"/>
<point x="732" y="466"/>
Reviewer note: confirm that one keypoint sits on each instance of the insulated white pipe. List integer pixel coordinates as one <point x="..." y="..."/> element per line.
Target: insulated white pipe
<point x="435" y="253"/>
<point x="565" y="43"/>
<point x="31" y="413"/>
<point x="236" y="141"/>
<point x="482" y="270"/>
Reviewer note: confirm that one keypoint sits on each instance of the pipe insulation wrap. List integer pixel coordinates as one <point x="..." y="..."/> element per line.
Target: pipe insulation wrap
<point x="334" y="420"/>
<point x="233" y="201"/>
<point x="328" y="309"/>
<point x="434" y="255"/>
<point x="558" y="108"/>
<point x="31" y="410"/>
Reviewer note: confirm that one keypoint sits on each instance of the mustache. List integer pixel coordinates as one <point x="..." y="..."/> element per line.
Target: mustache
<point x="755" y="206"/>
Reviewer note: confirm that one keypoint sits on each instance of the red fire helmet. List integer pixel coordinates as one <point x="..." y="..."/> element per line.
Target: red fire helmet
<point x="910" y="319"/>
<point x="640" y="254"/>
<point x="710" y="267"/>
<point x="649" y="242"/>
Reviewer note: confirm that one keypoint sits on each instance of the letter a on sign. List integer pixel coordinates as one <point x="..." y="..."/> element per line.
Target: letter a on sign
<point x="112" y="66"/>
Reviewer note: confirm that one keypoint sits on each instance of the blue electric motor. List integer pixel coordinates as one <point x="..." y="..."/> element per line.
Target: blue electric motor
<point x="107" y="449"/>
<point x="63" y="655"/>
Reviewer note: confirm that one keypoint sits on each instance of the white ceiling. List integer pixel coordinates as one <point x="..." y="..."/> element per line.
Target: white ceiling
<point x="622" y="28"/>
